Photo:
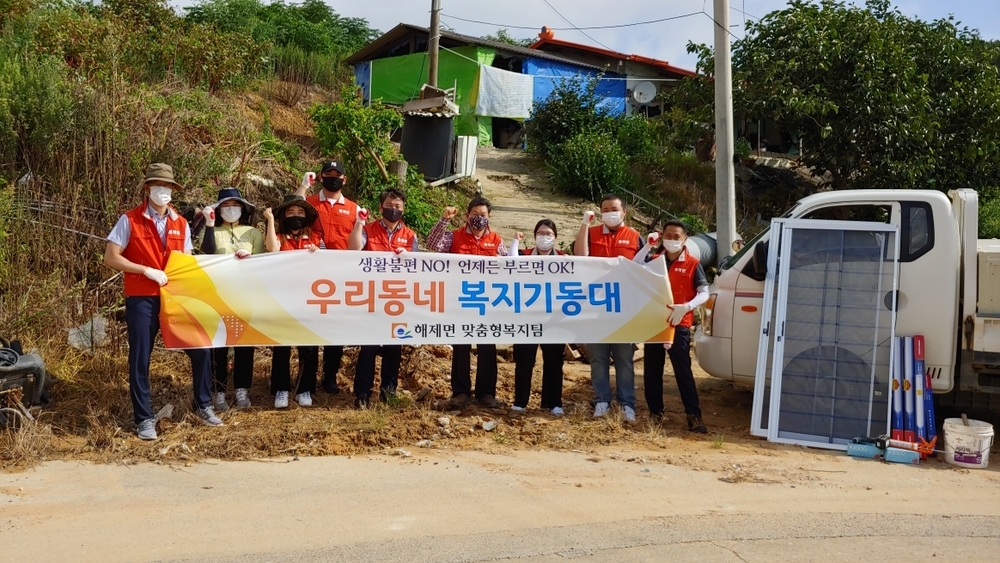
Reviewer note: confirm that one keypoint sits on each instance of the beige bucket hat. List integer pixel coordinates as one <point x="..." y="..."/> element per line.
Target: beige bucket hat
<point x="160" y="172"/>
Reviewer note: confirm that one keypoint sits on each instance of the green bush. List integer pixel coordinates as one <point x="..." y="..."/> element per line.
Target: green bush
<point x="291" y="64"/>
<point x="590" y="165"/>
<point x="989" y="218"/>
<point x="312" y="26"/>
<point x="354" y="132"/>
<point x="640" y="138"/>
<point x="572" y="108"/>
<point x="36" y="106"/>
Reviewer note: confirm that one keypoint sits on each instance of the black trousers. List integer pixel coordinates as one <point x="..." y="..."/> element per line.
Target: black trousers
<point x="143" y="323"/>
<point x="486" y="370"/>
<point x="242" y="367"/>
<point x="332" y="357"/>
<point x="364" y="375"/>
<point x="281" y="376"/>
<point x="552" y="373"/>
<point x="654" y="357"/>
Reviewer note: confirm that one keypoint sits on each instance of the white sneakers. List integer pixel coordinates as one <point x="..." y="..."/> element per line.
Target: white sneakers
<point x="242" y="398"/>
<point x="516" y="408"/>
<point x="601" y="409"/>
<point x="281" y="400"/>
<point x="629" y="415"/>
<point x="219" y="404"/>
<point x="557" y="411"/>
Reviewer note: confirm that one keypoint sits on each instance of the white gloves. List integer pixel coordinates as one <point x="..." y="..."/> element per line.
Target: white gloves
<point x="588" y="218"/>
<point x="362" y="215"/>
<point x="242" y="253"/>
<point x="668" y="345"/>
<point x="209" y="213"/>
<point x="677" y="312"/>
<point x="156" y="275"/>
<point x="651" y="238"/>
<point x="307" y="179"/>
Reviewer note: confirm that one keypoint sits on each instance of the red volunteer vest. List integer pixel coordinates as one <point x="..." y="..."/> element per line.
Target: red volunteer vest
<point x="335" y="221"/>
<point x="379" y="239"/>
<point x="623" y="242"/>
<point x="146" y="248"/>
<point x="463" y="242"/>
<point x="531" y="252"/>
<point x="681" y="274"/>
<point x="289" y="242"/>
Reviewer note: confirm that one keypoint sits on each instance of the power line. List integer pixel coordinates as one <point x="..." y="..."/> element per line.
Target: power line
<point x="744" y="12"/>
<point x="614" y="26"/>
<point x="584" y="33"/>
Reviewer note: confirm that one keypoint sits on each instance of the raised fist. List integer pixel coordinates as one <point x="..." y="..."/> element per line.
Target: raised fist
<point x="652" y="238"/>
<point x="449" y="213"/>
<point x="362" y="215"/>
<point x="209" y="213"/>
<point x="588" y="217"/>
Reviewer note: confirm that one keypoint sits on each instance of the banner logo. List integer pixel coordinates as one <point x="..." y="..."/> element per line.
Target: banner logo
<point x="400" y="332"/>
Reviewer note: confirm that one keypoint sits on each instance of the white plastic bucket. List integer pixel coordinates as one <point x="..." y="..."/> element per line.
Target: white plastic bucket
<point x="967" y="446"/>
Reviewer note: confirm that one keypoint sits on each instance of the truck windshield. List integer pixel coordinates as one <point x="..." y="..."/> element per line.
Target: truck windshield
<point x="732" y="260"/>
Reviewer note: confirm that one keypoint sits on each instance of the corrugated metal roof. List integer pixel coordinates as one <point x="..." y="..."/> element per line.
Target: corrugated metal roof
<point x="402" y="29"/>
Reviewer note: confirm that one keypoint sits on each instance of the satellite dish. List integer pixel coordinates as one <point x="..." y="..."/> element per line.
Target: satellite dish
<point x="644" y="92"/>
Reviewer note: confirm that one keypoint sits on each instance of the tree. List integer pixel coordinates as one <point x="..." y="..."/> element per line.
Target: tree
<point x="880" y="100"/>
<point x="503" y="36"/>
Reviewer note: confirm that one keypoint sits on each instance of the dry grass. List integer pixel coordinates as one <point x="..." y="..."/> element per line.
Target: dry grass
<point x="92" y="418"/>
<point x="25" y="447"/>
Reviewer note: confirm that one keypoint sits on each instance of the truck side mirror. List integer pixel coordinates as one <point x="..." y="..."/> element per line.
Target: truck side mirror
<point x="756" y="268"/>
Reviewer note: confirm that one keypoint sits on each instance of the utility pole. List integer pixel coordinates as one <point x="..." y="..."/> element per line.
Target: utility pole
<point x="435" y="40"/>
<point x="725" y="182"/>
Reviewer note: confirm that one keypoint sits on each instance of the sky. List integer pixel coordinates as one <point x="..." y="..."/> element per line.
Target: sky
<point x="666" y="40"/>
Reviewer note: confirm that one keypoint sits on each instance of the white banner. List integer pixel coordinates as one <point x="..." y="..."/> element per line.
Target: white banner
<point x="356" y="298"/>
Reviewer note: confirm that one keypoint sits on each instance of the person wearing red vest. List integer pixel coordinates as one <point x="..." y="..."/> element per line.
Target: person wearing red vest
<point x="474" y="238"/>
<point x="388" y="234"/>
<point x="612" y="239"/>
<point x="336" y="218"/>
<point x="139" y="246"/>
<point x="526" y="354"/>
<point x="288" y="230"/>
<point x="689" y="287"/>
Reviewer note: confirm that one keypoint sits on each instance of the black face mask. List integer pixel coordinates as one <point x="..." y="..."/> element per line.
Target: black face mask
<point x="293" y="224"/>
<point x="332" y="184"/>
<point x="391" y="214"/>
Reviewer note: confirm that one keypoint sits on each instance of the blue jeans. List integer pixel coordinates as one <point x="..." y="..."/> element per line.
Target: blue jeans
<point x="600" y="373"/>
<point x="142" y="316"/>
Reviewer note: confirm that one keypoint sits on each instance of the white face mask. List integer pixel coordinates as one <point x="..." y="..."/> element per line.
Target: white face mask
<point x="545" y="242"/>
<point x="231" y="214"/>
<point x="673" y="246"/>
<point x="612" y="218"/>
<point x="160" y="195"/>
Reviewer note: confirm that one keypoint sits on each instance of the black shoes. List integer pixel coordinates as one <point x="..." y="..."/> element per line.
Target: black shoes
<point x="696" y="425"/>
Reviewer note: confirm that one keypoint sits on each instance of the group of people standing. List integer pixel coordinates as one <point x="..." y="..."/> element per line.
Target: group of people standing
<point x="143" y="238"/>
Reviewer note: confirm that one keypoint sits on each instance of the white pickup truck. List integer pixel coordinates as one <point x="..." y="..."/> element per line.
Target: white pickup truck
<point x="949" y="291"/>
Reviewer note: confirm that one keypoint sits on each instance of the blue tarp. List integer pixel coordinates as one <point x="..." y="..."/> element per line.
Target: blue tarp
<point x="362" y="76"/>
<point x="547" y="74"/>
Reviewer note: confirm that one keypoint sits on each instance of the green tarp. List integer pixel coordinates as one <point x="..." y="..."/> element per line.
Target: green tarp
<point x="396" y="80"/>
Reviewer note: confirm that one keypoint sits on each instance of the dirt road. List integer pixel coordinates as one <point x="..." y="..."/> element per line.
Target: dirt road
<point x="516" y="185"/>
<point x="610" y="505"/>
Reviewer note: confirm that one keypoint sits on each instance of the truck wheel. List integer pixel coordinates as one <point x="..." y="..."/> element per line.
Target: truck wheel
<point x="980" y="406"/>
